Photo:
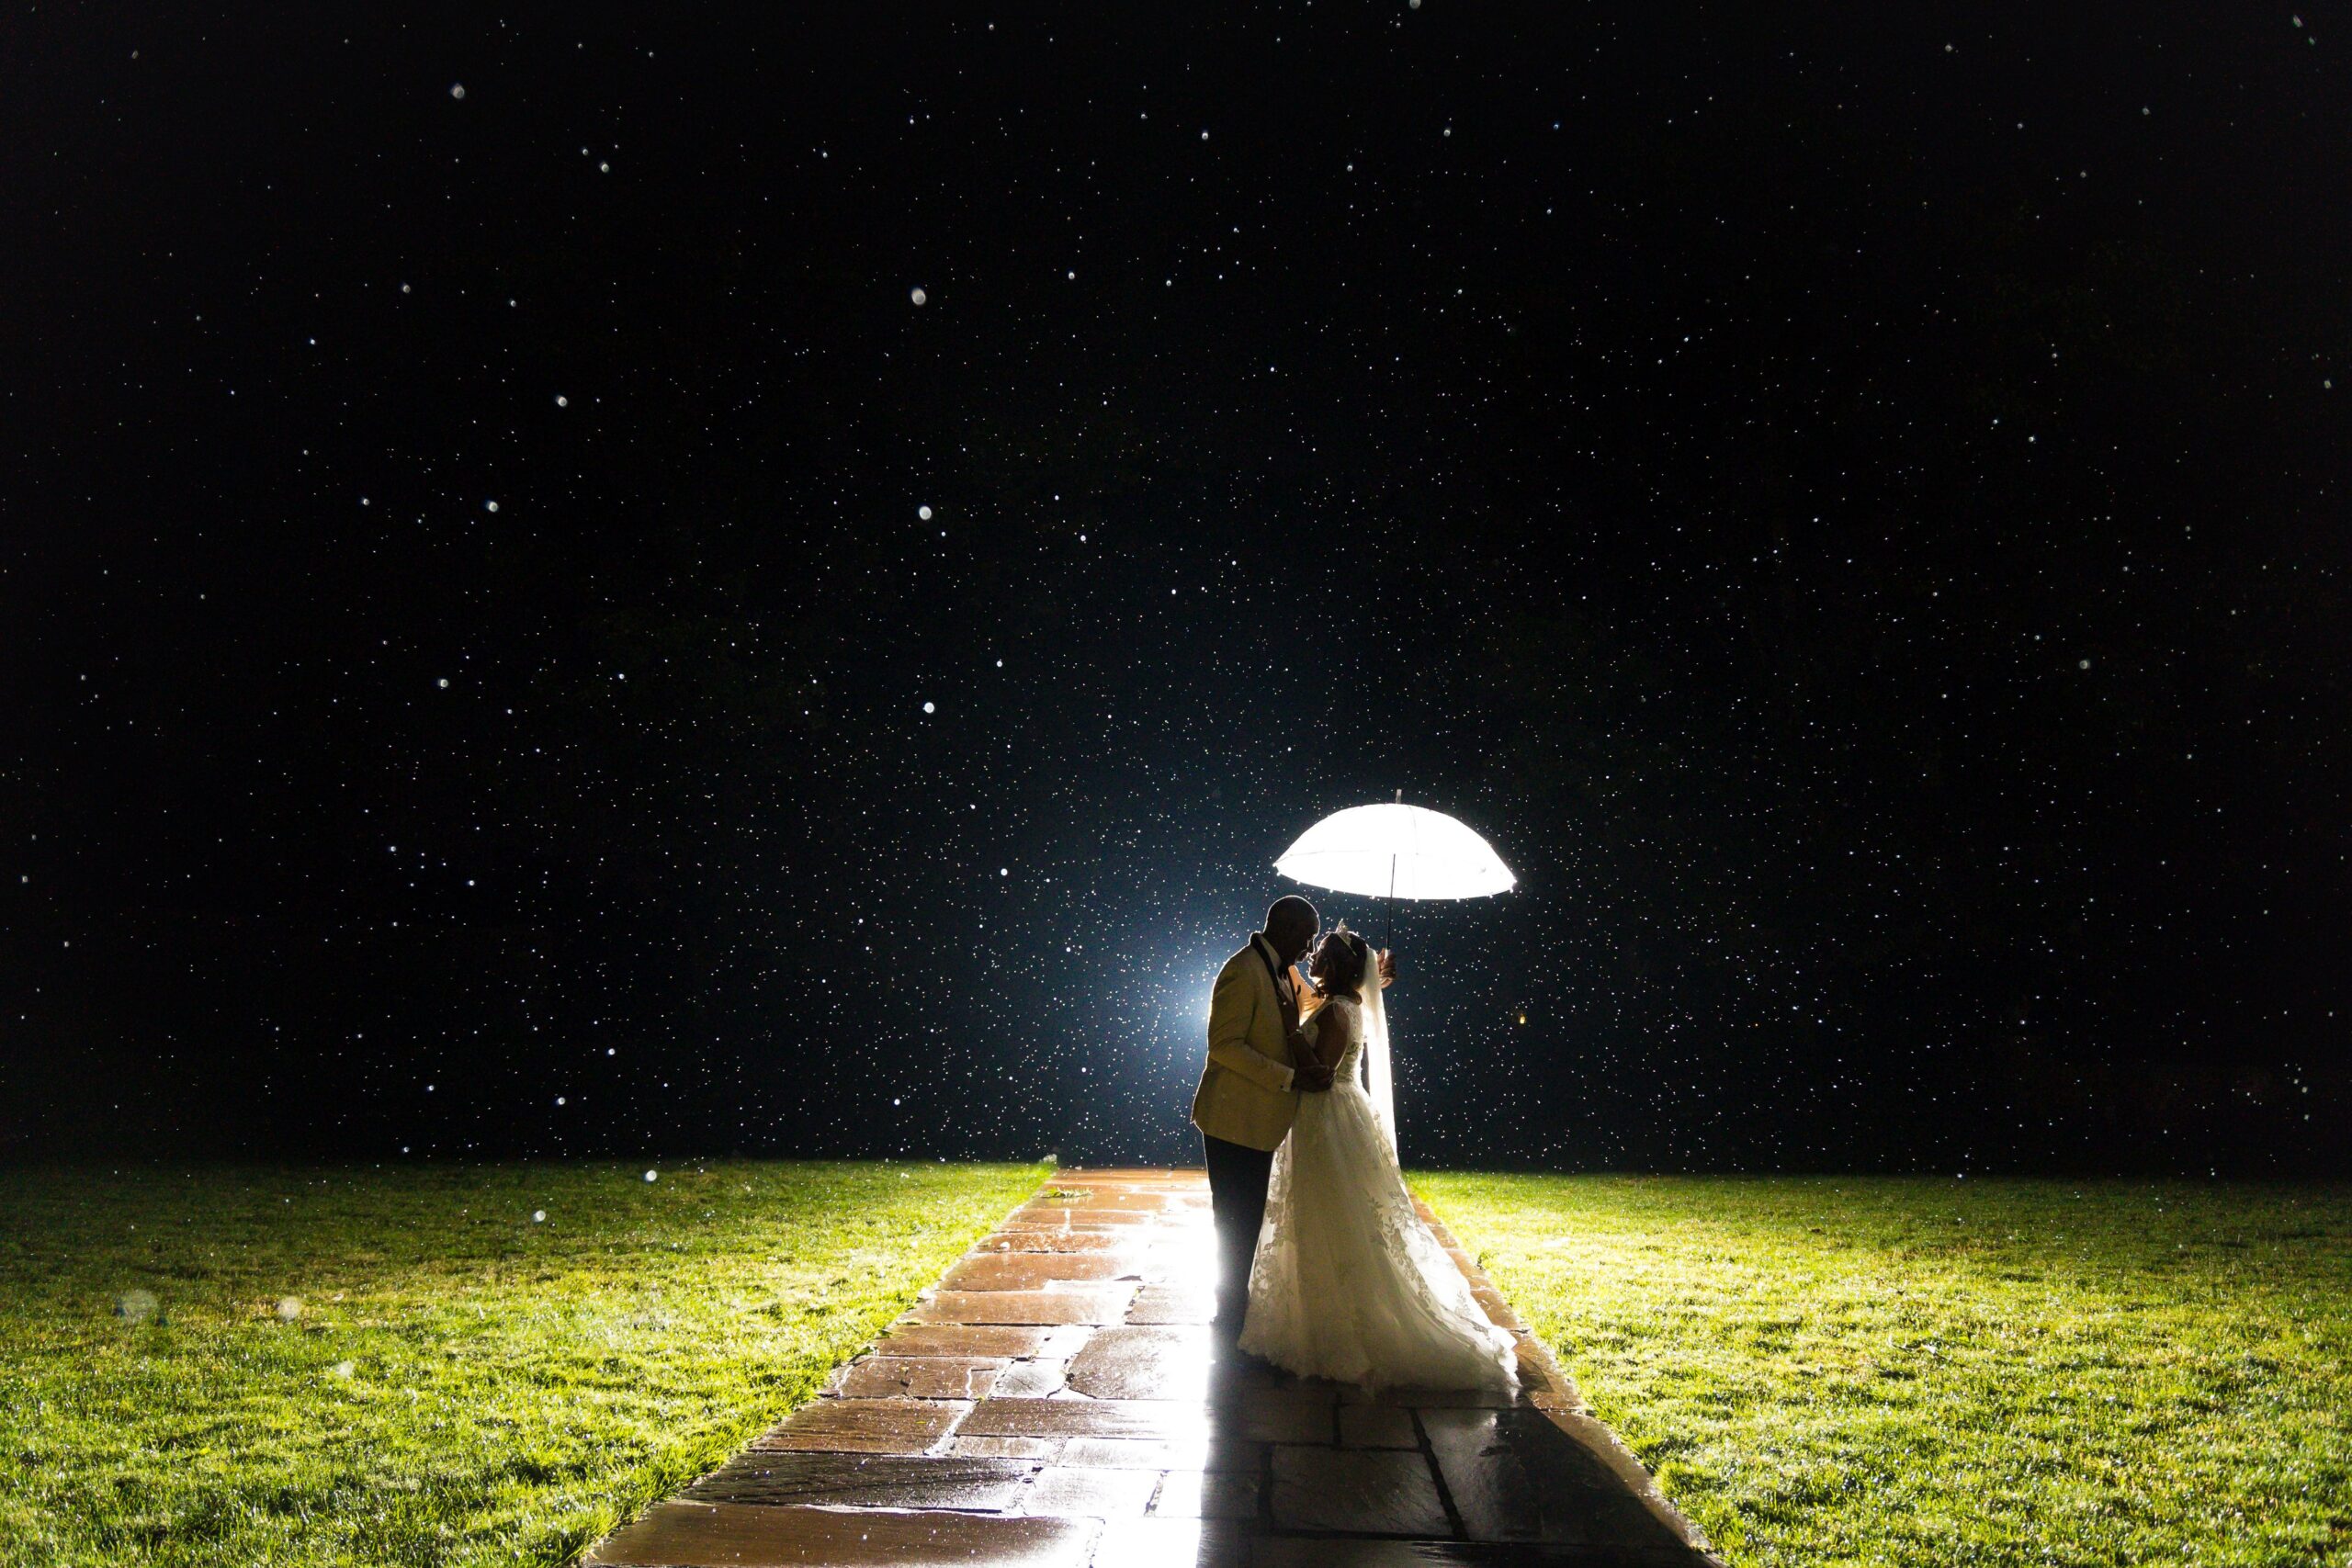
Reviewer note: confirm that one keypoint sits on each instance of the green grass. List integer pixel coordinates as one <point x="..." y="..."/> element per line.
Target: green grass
<point x="1901" y="1372"/>
<point x="461" y="1383"/>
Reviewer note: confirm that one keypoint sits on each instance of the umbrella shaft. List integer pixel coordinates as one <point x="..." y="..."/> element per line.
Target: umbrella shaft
<point x="1388" y="904"/>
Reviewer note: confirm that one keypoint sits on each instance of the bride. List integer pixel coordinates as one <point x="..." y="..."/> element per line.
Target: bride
<point x="1347" y="1283"/>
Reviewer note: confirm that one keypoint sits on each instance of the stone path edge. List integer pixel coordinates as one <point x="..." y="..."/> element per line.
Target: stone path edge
<point x="1589" y="1428"/>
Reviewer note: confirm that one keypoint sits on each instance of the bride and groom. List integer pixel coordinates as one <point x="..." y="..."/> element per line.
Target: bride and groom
<point x="1325" y="1269"/>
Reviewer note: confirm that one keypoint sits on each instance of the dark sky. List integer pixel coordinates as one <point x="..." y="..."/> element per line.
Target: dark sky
<point x="1850" y="501"/>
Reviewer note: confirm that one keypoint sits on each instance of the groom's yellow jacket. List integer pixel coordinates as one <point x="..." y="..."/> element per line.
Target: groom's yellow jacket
<point x="1246" y="1096"/>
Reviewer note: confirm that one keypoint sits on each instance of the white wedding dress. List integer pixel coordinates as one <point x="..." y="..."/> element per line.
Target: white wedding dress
<point x="1349" y="1285"/>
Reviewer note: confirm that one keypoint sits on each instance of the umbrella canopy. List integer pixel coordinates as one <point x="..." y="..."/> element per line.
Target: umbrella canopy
<point x="1395" y="849"/>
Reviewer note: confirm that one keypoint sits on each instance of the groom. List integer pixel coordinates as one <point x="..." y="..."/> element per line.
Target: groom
<point x="1249" y="1089"/>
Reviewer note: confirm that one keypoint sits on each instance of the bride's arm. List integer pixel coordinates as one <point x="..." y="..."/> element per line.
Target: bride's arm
<point x="1329" y="1037"/>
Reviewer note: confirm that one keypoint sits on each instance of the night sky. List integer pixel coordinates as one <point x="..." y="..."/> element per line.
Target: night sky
<point x="524" y="636"/>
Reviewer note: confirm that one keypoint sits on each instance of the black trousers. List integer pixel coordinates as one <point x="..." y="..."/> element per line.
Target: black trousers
<point x="1237" y="1176"/>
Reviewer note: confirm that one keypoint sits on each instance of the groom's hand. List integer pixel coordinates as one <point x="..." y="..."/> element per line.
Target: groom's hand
<point x="1388" y="969"/>
<point x="1314" y="1077"/>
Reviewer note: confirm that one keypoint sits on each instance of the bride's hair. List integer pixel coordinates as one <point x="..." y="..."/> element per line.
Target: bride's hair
<point x="1341" y="959"/>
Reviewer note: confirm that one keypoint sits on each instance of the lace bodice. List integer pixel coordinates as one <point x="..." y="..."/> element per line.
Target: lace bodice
<point x="1344" y="1014"/>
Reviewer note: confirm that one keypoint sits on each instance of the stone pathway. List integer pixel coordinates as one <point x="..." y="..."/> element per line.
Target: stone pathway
<point x="1053" y="1401"/>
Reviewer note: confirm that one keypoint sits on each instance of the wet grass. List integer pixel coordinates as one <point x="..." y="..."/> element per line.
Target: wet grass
<point x="405" y="1366"/>
<point x="1911" y="1372"/>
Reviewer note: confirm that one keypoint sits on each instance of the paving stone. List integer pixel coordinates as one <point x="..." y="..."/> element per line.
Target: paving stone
<point x="1166" y="1362"/>
<point x="1172" y="1543"/>
<point x="1514" y="1475"/>
<point x="1037" y="1217"/>
<point x="960" y="1339"/>
<point x="917" y="1377"/>
<point x="1173" y="1304"/>
<point x="1368" y="1491"/>
<point x="1135" y="1194"/>
<point x="1037" y="1377"/>
<point x="1207" y="1494"/>
<point x="732" y="1535"/>
<point x="1094" y="1492"/>
<point x="1302" y="1414"/>
<point x="1067" y="1340"/>
<point x="1221" y="1454"/>
<point x="1056" y="1241"/>
<point x="1033" y="1271"/>
<point x="1154" y="1418"/>
<point x="866" y="1426"/>
<point x="1377" y="1427"/>
<point x="1006" y="1448"/>
<point x="865" y="1481"/>
<point x="1088" y="1303"/>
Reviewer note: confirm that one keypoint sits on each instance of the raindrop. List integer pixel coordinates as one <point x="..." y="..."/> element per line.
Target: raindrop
<point x="918" y="297"/>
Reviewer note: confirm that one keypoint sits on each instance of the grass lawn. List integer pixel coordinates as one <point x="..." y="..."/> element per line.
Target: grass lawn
<point x="408" y="1365"/>
<point x="1912" y="1373"/>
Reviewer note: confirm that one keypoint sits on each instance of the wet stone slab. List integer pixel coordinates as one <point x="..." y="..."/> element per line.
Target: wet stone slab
<point x="1035" y="1240"/>
<point x="1042" y="1448"/>
<point x="1304" y="1415"/>
<point x="1377" y="1427"/>
<point x="1363" y="1491"/>
<point x="1036" y="1271"/>
<point x="728" y="1535"/>
<point x="1092" y="1493"/>
<point x="1173" y="1304"/>
<point x="866" y="1426"/>
<point x="1080" y="1304"/>
<point x="1039" y="1377"/>
<point x="916" y="1377"/>
<point x="1222" y="1455"/>
<point x="998" y="1341"/>
<point x="1156" y="1420"/>
<point x="1207" y="1494"/>
<point x="866" y="1480"/>
<point x="1166" y="1363"/>
<point x="1062" y="1216"/>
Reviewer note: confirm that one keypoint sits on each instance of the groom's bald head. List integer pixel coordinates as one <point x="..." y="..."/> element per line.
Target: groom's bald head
<point x="1291" y="924"/>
